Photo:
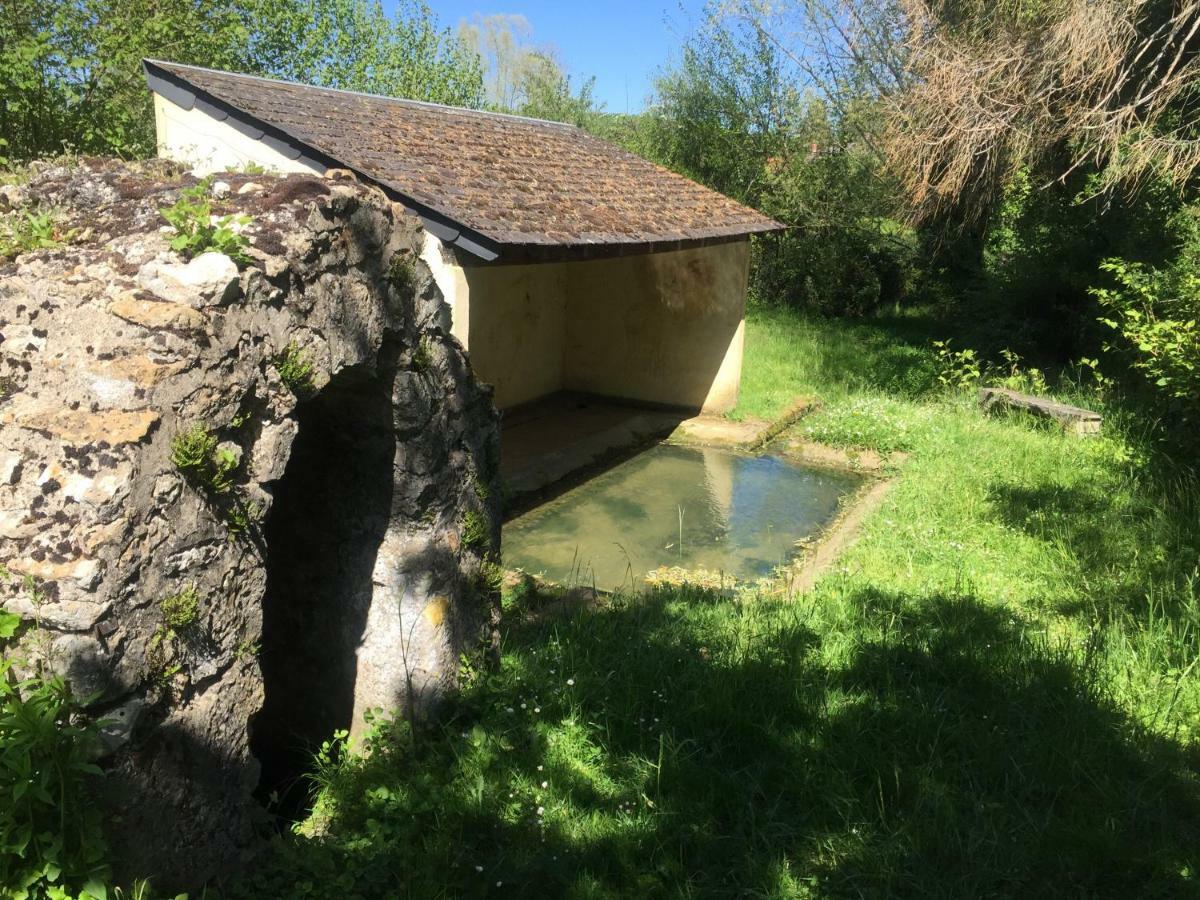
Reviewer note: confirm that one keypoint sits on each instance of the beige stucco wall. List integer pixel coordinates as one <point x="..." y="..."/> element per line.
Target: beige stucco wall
<point x="208" y="145"/>
<point x="517" y="328"/>
<point x="658" y="327"/>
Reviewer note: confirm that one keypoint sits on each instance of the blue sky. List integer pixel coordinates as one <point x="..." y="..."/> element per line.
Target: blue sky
<point x="622" y="42"/>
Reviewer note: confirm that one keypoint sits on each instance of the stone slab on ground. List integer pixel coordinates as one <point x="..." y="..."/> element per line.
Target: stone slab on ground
<point x="1074" y="419"/>
<point x="717" y="431"/>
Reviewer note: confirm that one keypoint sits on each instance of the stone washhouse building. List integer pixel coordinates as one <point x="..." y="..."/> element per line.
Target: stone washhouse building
<point x="567" y="263"/>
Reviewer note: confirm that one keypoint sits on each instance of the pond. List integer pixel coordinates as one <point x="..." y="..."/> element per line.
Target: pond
<point x="727" y="512"/>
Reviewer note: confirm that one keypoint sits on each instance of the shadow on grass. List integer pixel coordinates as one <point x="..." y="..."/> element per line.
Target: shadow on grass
<point x="1132" y="540"/>
<point x="699" y="747"/>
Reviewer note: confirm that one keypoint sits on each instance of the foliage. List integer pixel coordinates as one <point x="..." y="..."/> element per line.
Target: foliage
<point x="732" y="116"/>
<point x="241" y="516"/>
<point x="198" y="231"/>
<point x="24" y="231"/>
<point x="70" y="74"/>
<point x="1155" y="312"/>
<point x="51" y="843"/>
<point x="957" y="369"/>
<point x="356" y="45"/>
<point x="422" y="358"/>
<point x="548" y="95"/>
<point x="195" y="453"/>
<point x="1056" y="86"/>
<point x="475" y="531"/>
<point x="295" y="370"/>
<point x="181" y="611"/>
<point x="402" y="273"/>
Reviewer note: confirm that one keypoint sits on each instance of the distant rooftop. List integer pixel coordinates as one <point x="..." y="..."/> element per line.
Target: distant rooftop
<point x="494" y="184"/>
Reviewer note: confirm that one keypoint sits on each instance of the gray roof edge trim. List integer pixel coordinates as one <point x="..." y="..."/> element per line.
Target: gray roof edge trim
<point x="519" y="254"/>
<point x="167" y="83"/>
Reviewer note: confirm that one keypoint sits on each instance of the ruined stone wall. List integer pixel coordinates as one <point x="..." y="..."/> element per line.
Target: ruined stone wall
<point x="342" y="565"/>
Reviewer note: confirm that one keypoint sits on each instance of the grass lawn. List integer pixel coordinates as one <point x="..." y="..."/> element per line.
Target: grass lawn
<point x="995" y="693"/>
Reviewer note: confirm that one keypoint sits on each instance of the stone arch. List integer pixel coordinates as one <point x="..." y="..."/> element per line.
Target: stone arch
<point x="331" y="512"/>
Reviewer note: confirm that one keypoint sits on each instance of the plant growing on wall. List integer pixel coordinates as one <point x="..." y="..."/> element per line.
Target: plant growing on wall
<point x="199" y="231"/>
<point x="26" y="231"/>
<point x="474" y="530"/>
<point x="402" y="274"/>
<point x="196" y="454"/>
<point x="295" y="370"/>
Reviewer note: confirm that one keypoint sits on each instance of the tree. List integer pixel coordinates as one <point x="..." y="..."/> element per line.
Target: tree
<point x="1108" y="87"/>
<point x="70" y="73"/>
<point x="355" y="45"/>
<point x="546" y="94"/>
<point x="524" y="78"/>
<point x="739" y="115"/>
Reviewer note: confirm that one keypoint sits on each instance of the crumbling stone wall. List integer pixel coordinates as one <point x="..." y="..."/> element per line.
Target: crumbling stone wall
<point x="356" y="522"/>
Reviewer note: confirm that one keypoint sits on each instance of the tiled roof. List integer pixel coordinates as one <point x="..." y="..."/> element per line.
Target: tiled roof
<point x="498" y="182"/>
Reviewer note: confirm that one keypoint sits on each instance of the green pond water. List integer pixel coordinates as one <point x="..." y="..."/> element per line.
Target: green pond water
<point x="676" y="506"/>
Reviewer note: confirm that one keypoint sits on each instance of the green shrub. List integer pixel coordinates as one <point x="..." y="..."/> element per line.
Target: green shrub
<point x="422" y="357"/>
<point x="966" y="369"/>
<point x="1155" y="312"/>
<point x="295" y="370"/>
<point x="194" y="452"/>
<point x="957" y="369"/>
<point x="51" y="843"/>
<point x="196" y="230"/>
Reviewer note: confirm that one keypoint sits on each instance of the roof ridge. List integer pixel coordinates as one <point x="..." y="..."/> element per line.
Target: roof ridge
<point x="404" y="101"/>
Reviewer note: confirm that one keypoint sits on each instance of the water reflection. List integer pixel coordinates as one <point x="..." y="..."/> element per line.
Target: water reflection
<point x="676" y="506"/>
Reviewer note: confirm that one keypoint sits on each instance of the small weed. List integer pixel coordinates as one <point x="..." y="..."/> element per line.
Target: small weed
<point x="422" y="358"/>
<point x="295" y="370"/>
<point x="198" y="232"/>
<point x="27" y="231"/>
<point x="474" y="529"/>
<point x="481" y="487"/>
<point x="9" y="623"/>
<point x="247" y="649"/>
<point x="241" y="517"/>
<point x="402" y="274"/>
<point x="195" y="453"/>
<point x="50" y="826"/>
<point x="957" y="369"/>
<point x="181" y="611"/>
<point x="491" y="577"/>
